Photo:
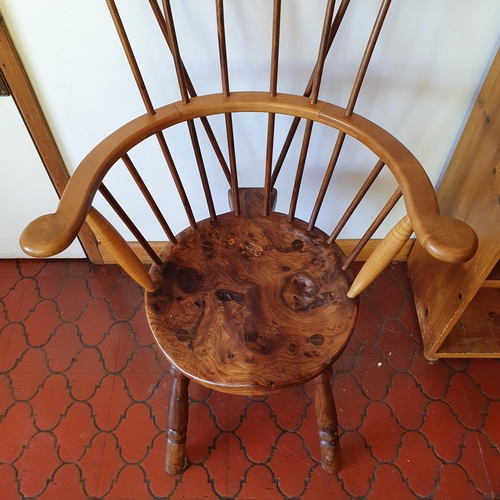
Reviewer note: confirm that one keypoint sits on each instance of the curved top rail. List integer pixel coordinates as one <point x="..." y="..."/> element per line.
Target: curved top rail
<point x="444" y="238"/>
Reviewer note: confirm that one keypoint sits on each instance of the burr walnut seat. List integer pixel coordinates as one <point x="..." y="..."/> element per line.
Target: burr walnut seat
<point x="250" y="301"/>
<point x="251" y="304"/>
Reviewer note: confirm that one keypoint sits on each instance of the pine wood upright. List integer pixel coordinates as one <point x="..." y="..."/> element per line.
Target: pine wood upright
<point x="459" y="306"/>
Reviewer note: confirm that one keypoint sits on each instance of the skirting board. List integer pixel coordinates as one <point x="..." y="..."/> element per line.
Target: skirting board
<point x="345" y="245"/>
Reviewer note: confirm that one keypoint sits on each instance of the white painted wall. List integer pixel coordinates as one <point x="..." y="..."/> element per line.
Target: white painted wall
<point x="25" y="188"/>
<point x="430" y="61"/>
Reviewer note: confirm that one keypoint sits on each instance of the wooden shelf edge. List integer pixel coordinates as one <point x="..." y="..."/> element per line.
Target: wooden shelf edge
<point x="491" y="284"/>
<point x="477" y="333"/>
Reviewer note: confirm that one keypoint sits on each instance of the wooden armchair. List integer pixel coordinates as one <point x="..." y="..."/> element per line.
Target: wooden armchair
<point x="251" y="301"/>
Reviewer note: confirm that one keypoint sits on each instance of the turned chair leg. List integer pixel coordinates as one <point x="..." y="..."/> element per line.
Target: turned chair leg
<point x="177" y="424"/>
<point x="326" y="416"/>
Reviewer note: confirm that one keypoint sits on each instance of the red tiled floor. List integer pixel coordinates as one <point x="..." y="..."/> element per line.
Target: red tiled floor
<point x="84" y="394"/>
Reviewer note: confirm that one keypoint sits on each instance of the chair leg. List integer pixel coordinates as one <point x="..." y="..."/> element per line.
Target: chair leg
<point x="326" y="416"/>
<point x="177" y="424"/>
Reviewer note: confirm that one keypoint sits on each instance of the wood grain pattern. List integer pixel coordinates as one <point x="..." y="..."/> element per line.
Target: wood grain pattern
<point x="251" y="305"/>
<point x="470" y="191"/>
<point x="477" y="331"/>
<point x="382" y="256"/>
<point x="445" y="238"/>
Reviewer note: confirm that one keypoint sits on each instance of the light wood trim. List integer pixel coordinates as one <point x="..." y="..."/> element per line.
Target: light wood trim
<point x="445" y="238"/>
<point x="119" y="249"/>
<point x="382" y="256"/>
<point x="26" y="101"/>
<point x="346" y="245"/>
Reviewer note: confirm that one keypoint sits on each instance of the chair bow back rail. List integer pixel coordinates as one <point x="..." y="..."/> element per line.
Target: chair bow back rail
<point x="251" y="301"/>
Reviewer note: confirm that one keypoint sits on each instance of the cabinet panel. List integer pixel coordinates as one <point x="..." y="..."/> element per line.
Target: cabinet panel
<point x="470" y="191"/>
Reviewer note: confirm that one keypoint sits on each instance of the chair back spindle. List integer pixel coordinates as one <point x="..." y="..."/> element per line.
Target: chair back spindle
<point x="129" y="53"/>
<point x="129" y="223"/>
<point x="221" y="32"/>
<point x="318" y="73"/>
<point x="339" y="16"/>
<point x="134" y="66"/>
<point x="356" y="200"/>
<point x="149" y="198"/>
<point x="160" y="19"/>
<point x="271" y="119"/>
<point x="373" y="227"/>
<point x="358" y="82"/>
<point x="185" y="98"/>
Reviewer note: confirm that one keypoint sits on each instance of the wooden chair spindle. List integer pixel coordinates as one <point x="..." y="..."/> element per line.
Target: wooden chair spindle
<point x="130" y="56"/>
<point x="356" y="200"/>
<point x="373" y="227"/>
<point x="192" y="91"/>
<point x="370" y="46"/>
<point x="273" y="88"/>
<point x="128" y="222"/>
<point x="221" y="32"/>
<point x="318" y="73"/>
<point x="179" y="69"/>
<point x="339" y="16"/>
<point x="358" y="82"/>
<point x="174" y="46"/>
<point x="176" y="178"/>
<point x="149" y="198"/>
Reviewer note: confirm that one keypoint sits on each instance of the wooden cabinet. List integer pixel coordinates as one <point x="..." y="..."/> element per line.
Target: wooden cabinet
<point x="458" y="306"/>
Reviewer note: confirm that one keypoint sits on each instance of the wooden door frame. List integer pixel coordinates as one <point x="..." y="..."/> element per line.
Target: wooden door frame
<point x="16" y="78"/>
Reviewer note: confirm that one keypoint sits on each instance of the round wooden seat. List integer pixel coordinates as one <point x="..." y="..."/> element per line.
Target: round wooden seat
<point x="251" y="305"/>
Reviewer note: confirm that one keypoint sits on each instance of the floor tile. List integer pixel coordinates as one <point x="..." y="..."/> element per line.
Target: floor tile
<point x="84" y="396"/>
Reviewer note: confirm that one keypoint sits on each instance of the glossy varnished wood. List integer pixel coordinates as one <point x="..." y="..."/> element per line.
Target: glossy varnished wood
<point x="178" y="412"/>
<point x="444" y="238"/>
<point x="251" y="305"/>
<point x="326" y="416"/>
<point x="382" y="256"/>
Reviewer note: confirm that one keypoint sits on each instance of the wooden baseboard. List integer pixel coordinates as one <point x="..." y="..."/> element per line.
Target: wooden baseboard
<point x="345" y="245"/>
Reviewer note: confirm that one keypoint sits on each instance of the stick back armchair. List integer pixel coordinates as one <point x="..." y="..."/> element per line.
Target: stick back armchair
<point x="251" y="301"/>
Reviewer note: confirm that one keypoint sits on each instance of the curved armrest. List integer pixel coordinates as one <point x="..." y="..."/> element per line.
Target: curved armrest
<point x="444" y="238"/>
